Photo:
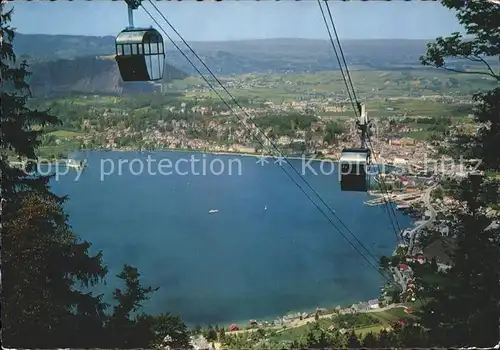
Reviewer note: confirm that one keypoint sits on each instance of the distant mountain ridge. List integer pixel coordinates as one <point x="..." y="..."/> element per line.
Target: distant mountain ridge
<point x="246" y="56"/>
<point x="76" y="63"/>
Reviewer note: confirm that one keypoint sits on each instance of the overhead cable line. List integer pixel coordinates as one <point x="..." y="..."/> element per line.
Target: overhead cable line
<point x="386" y="202"/>
<point x="356" y="104"/>
<point x="384" y="187"/>
<point x="231" y="109"/>
<point x="258" y="128"/>
<point x="341" y="51"/>
<point x="265" y="136"/>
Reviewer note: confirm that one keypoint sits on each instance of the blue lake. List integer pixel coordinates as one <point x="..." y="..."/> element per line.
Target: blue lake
<point x="267" y="251"/>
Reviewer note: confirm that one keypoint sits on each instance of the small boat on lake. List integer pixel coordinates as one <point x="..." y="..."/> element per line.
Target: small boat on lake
<point x="213" y="211"/>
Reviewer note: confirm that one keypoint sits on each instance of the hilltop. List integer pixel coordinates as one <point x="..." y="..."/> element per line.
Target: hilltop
<point x="97" y="75"/>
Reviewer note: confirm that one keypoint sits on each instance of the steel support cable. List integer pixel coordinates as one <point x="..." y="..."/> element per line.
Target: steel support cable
<point x="291" y="178"/>
<point x="384" y="186"/>
<point x="354" y="106"/>
<point x="385" y="191"/>
<point x="257" y="126"/>
<point x="387" y="205"/>
<point x="341" y="51"/>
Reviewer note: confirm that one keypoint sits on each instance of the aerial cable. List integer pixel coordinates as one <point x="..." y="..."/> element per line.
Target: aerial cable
<point x="341" y="51"/>
<point x="354" y="106"/>
<point x="259" y="129"/>
<point x="231" y="109"/>
<point x="295" y="182"/>
<point x="384" y="189"/>
<point x="387" y="205"/>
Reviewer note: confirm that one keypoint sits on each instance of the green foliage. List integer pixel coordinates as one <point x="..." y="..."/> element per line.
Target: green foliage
<point x="210" y="334"/>
<point x="463" y="304"/>
<point x="487" y="142"/>
<point x="317" y="338"/>
<point x="169" y="330"/>
<point x="17" y="133"/>
<point x="333" y="130"/>
<point x="480" y="19"/>
<point x="481" y="23"/>
<point x="221" y="336"/>
<point x="135" y="294"/>
<point x="438" y="193"/>
<point x="384" y="262"/>
<point x="463" y="308"/>
<point x="44" y="264"/>
<point x="357" y="320"/>
<point x="353" y="341"/>
<point x="42" y="260"/>
<point x="286" y="124"/>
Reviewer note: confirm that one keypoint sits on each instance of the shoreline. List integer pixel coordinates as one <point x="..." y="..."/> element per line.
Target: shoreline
<point x="203" y="151"/>
<point x="313" y="158"/>
<point x="292" y="314"/>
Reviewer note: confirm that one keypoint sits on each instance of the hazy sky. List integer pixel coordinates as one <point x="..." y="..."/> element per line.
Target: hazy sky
<point x="230" y="20"/>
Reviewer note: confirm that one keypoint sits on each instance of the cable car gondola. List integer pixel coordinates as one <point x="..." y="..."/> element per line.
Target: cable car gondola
<point x="353" y="169"/>
<point x="355" y="161"/>
<point x="140" y="52"/>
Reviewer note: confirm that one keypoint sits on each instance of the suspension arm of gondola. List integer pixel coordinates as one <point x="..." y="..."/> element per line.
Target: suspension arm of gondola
<point x="132" y="5"/>
<point x="363" y="124"/>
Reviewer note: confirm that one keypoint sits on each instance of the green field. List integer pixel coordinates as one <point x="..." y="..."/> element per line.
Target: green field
<point x="65" y="134"/>
<point x="381" y="320"/>
<point x="373" y="329"/>
<point x="385" y="93"/>
<point x="373" y="85"/>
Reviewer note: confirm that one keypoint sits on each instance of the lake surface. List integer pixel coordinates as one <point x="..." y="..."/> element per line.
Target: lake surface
<point x="267" y="251"/>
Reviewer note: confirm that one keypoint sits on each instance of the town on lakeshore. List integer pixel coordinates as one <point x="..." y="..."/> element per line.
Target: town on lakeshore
<point x="136" y="262"/>
<point x="408" y="141"/>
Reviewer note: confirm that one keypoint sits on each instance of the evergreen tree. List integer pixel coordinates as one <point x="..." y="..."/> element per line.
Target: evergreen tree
<point x="169" y="330"/>
<point x="482" y="26"/>
<point x="386" y="339"/>
<point x="370" y="341"/>
<point x="464" y="307"/>
<point x="210" y="334"/>
<point x="126" y="328"/>
<point x="353" y="341"/>
<point x="18" y="136"/>
<point x="411" y="336"/>
<point x="42" y="260"/>
<point x="197" y="329"/>
<point x="222" y="335"/>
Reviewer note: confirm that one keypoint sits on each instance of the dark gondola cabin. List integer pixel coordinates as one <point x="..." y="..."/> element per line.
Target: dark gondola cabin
<point x="353" y="169"/>
<point x="140" y="54"/>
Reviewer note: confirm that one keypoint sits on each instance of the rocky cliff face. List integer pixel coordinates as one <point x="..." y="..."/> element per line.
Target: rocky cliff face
<point x="89" y="75"/>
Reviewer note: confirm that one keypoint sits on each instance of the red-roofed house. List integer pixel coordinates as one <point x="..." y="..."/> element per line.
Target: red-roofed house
<point x="403" y="180"/>
<point x="420" y="258"/>
<point x="408" y="310"/>
<point x="233" y="327"/>
<point x="403" y="267"/>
